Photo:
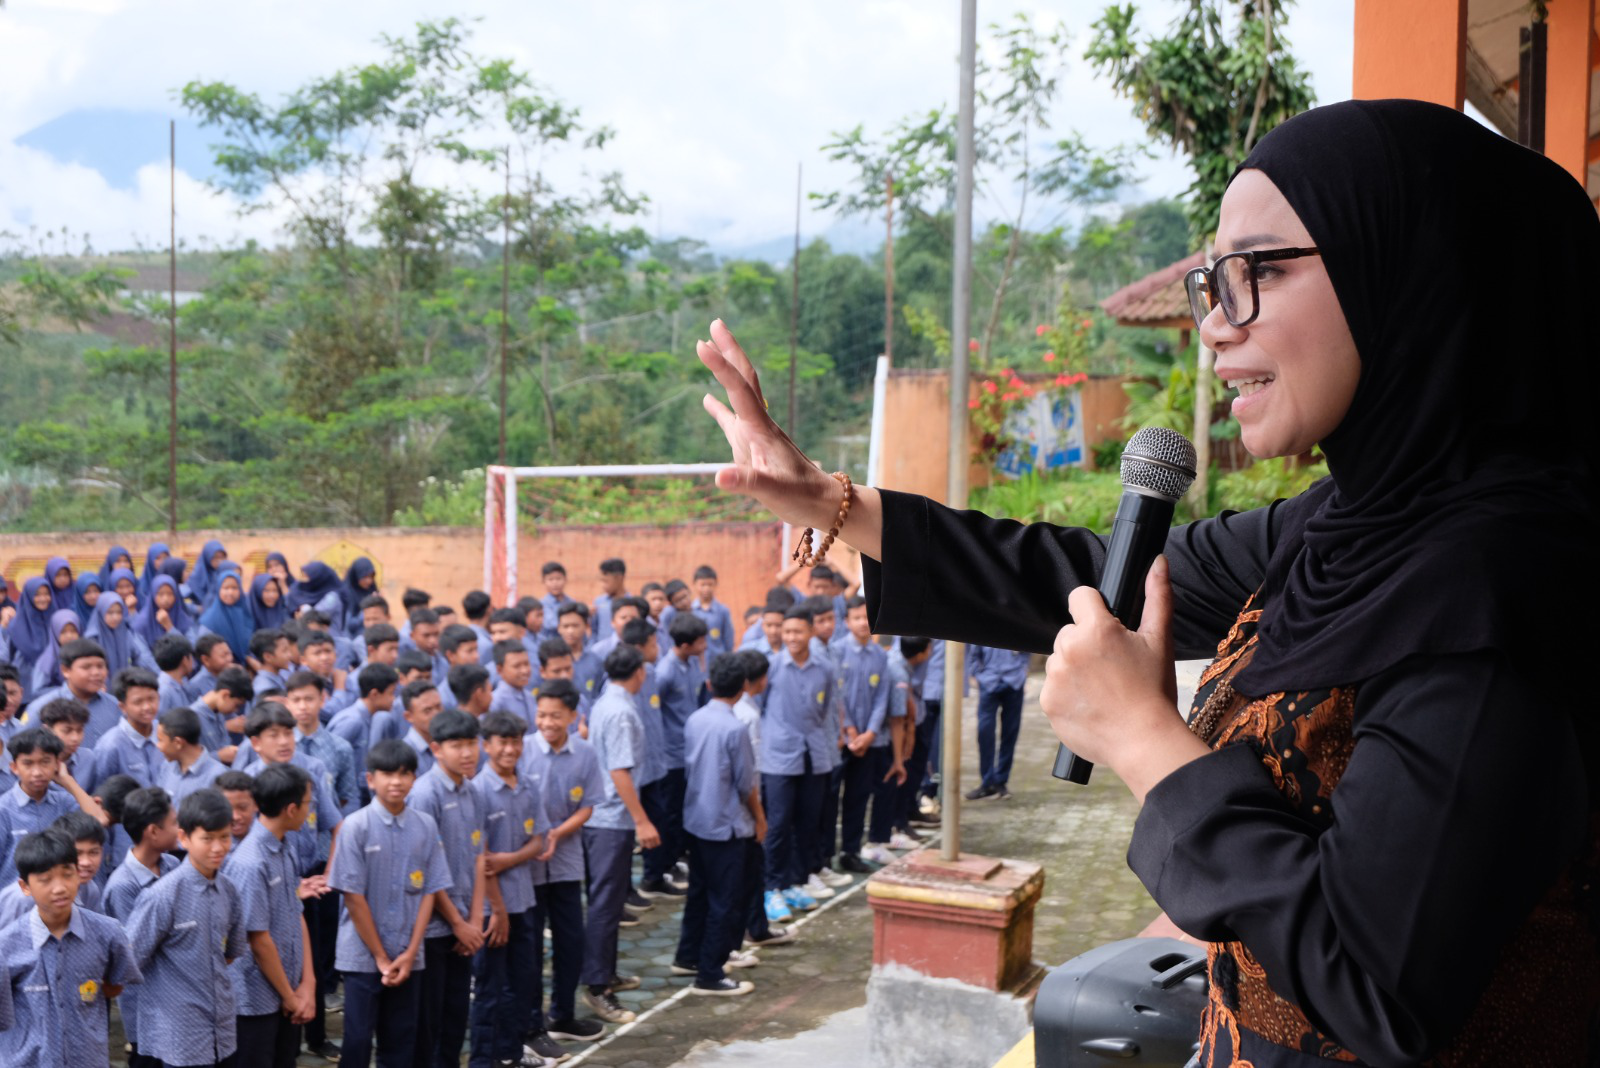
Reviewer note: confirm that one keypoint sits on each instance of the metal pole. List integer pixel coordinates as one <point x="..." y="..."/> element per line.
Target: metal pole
<point x="794" y="315"/>
<point x="960" y="329"/>
<point x="888" y="268"/>
<point x="505" y="297"/>
<point x="172" y="336"/>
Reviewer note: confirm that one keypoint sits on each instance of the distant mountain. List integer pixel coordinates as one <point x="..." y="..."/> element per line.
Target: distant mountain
<point x="851" y="235"/>
<point x="117" y="143"/>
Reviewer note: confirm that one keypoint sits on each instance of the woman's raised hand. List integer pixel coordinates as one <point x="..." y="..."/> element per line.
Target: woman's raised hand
<point x="767" y="465"/>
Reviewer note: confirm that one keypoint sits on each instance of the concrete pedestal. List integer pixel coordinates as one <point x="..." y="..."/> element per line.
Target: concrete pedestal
<point x="953" y="973"/>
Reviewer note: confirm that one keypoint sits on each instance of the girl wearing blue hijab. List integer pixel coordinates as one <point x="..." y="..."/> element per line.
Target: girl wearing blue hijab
<point x="318" y="588"/>
<point x="64" y="627"/>
<point x="29" y="632"/>
<point x="154" y="557"/>
<point x="125" y="586"/>
<point x="86" y="593"/>
<point x="58" y="573"/>
<point x="117" y="557"/>
<point x="111" y="631"/>
<point x="205" y="570"/>
<point x="269" y="605"/>
<point x="360" y="581"/>
<point x="162" y="613"/>
<point x="228" y="615"/>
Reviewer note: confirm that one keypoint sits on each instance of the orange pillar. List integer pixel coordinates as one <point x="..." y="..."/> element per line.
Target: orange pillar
<point x="1411" y="48"/>
<point x="1571" y="60"/>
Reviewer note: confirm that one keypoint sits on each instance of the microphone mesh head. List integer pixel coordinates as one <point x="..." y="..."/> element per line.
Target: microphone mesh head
<point x="1160" y="461"/>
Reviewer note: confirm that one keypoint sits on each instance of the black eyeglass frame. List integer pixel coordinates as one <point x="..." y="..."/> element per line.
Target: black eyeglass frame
<point x="1207" y="275"/>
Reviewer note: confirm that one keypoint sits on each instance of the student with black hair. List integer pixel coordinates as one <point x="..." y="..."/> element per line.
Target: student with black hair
<point x="512" y="692"/>
<point x="270" y="730"/>
<point x="506" y="624"/>
<point x="722" y="815"/>
<point x="273" y="649"/>
<point x="83" y="670"/>
<point x="412" y="600"/>
<point x="152" y="827"/>
<point x="130" y="748"/>
<point x="185" y="932"/>
<point x="422" y="705"/>
<point x="188" y="766"/>
<point x="530" y="619"/>
<point x="680" y="677"/>
<point x="47" y="1019"/>
<point x="567" y="776"/>
<point x="712" y="612"/>
<point x="36" y="800"/>
<point x="89" y="839"/>
<point x="389" y="869"/>
<point x="174" y="657"/>
<point x="588" y="670"/>
<point x="660" y="610"/>
<point x="274" y="986"/>
<point x="506" y="976"/>
<point x="319" y="656"/>
<point x="617" y="736"/>
<point x="412" y="666"/>
<point x="377" y="684"/>
<point x="475" y="607"/>
<point x="623" y="610"/>
<point x="907" y="663"/>
<point x="236" y="787"/>
<point x="553" y="576"/>
<point x="214" y="655"/>
<point x="458" y="645"/>
<point x="469" y="685"/>
<point x="613" y="584"/>
<point x="67" y="719"/>
<point x="557" y="662"/>
<point x="110" y="794"/>
<point x="306" y="692"/>
<point x="221" y="710"/>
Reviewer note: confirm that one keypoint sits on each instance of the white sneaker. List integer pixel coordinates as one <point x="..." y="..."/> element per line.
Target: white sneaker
<point x="817" y="888"/>
<point x="834" y="878"/>
<point x="877" y="853"/>
<point x="901" y="842"/>
<point x="740" y="958"/>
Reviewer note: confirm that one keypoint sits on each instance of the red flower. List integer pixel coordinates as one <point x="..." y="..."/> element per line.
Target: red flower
<point x="990" y="387"/>
<point x="972" y="346"/>
<point x="1063" y="380"/>
<point x="1008" y="396"/>
<point x="1087" y="323"/>
<point x="1006" y="372"/>
<point x="1039" y="331"/>
<point x="1049" y="357"/>
<point x="973" y="403"/>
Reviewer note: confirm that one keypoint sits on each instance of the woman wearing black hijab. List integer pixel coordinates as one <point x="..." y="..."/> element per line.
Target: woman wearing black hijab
<point x="1380" y="814"/>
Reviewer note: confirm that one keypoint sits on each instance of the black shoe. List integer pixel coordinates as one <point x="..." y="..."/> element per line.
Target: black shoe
<point x="980" y="793"/>
<point x="1002" y="794"/>
<point x="776" y="935"/>
<point x="637" y="901"/>
<point x="725" y="988"/>
<point x="572" y="1031"/>
<point x="852" y="862"/>
<point x="328" y="1050"/>
<point x="624" y="982"/>
<point x="628" y="919"/>
<point x="542" y="1045"/>
<point x="685" y="969"/>
<point x="927" y="822"/>
<point x="662" y="887"/>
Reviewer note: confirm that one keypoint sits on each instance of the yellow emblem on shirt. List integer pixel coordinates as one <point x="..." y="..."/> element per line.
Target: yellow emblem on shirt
<point x="416" y="879"/>
<point x="589" y="685"/>
<point x="477" y="836"/>
<point x="820" y="697"/>
<point x="311" y="820"/>
<point x="88" y="991"/>
<point x="872" y="680"/>
<point x="576" y="793"/>
<point x="716" y="632"/>
<point x="655" y="700"/>
<point x="527" y="825"/>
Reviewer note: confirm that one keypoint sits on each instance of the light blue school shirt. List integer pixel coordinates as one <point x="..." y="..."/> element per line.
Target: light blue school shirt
<point x="15" y="904"/>
<point x="600" y="617"/>
<point x="338" y="757"/>
<point x="213" y="726"/>
<point x="104" y="712"/>
<point x="84" y="767"/>
<point x="720" y="772"/>
<point x="602" y="646"/>
<point x="180" y="783"/>
<point x="997" y="669"/>
<point x="53" y="1005"/>
<point x="393" y="861"/>
<point x="589" y="676"/>
<point x="933" y="669"/>
<point x="866" y="693"/>
<point x="617" y="736"/>
<point x="267" y="679"/>
<point x="200" y="683"/>
<point x="552" y="604"/>
<point x="185" y="932"/>
<point x="419" y="745"/>
<point x="719" y="627"/>
<point x="797" y="721"/>
<point x="752" y="634"/>
<point x="123" y="889"/>
<point x="567" y="779"/>
<point x="679" y="681"/>
<point x="311" y="844"/>
<point x="387" y="724"/>
<point x="652" y="758"/>
<point x="173" y="694"/>
<point x="353" y="723"/>
<point x="457" y="808"/>
<point x="508" y="698"/>
<point x="512" y="814"/>
<point x="261" y="868"/>
<point x="21" y="815"/>
<point x="124" y="751"/>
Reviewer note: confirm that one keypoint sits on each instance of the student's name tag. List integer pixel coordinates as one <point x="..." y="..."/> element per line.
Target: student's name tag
<point x="495" y="816"/>
<point x="448" y="805"/>
<point x="374" y="849"/>
<point x="36" y="988"/>
<point x="276" y="880"/>
<point x="185" y="925"/>
<point x="88" y="991"/>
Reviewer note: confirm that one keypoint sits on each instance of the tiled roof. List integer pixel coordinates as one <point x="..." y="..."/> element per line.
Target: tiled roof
<point x="1157" y="299"/>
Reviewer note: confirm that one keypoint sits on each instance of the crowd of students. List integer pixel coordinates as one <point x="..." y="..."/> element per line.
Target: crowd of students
<point x="226" y="799"/>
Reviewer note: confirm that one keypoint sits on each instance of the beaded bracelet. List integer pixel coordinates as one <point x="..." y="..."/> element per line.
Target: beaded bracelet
<point x="802" y="552"/>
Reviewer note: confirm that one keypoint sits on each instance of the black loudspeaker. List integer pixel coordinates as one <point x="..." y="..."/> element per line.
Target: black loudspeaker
<point x="1137" y="1001"/>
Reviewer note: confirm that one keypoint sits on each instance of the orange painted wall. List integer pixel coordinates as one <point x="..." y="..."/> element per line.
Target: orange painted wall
<point x="1570" y="61"/>
<point x="1411" y="48"/>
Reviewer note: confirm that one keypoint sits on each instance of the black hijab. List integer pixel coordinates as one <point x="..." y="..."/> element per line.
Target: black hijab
<point x="1460" y="506"/>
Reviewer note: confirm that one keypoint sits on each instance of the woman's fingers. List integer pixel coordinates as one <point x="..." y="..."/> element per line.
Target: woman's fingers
<point x="746" y="401"/>
<point x="733" y="352"/>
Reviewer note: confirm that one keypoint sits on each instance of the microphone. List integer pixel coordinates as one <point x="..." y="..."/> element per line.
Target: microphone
<point x="1157" y="469"/>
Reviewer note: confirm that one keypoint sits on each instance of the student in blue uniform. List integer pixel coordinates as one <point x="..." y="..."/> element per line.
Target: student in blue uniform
<point x="129" y="748"/>
<point x="152" y="826"/>
<point x="319" y="655"/>
<point x="389" y="866"/>
<point x="376" y="685"/>
<point x="617" y="736"/>
<point x="59" y="965"/>
<point x="36" y="800"/>
<point x="304" y="694"/>
<point x="67" y="719"/>
<point x="1001" y="675"/>
<point x="174" y="657"/>
<point x="588" y="671"/>
<point x="566" y="774"/>
<point x="469" y="685"/>
<point x="188" y="766"/>
<point x="458" y="644"/>
<point x="553" y="576"/>
<point x="110" y="794"/>
<point x="623" y="611"/>
<point x="512" y="693"/>
<point x="425" y="631"/>
<point x="273" y="985"/>
<point x="89" y="839"/>
<point x="422" y="704"/>
<point x="504" y="980"/>
<point x="274" y="651"/>
<point x="613" y="584"/>
<point x="475" y="607"/>
<point x="185" y="932"/>
<point x="713" y="613"/>
<point x="458" y="929"/>
<point x="215" y="655"/>
<point x="680" y="676"/>
<point x="867" y="750"/>
<point x="83" y="667"/>
<point x="222" y="709"/>
<point x="722" y="814"/>
<point x="556" y="662"/>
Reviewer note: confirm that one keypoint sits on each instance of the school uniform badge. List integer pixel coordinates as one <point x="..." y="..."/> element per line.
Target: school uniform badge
<point x="527" y="825"/>
<point x="88" y="991"/>
<point x="655" y="700"/>
<point x="416" y="879"/>
<point x="821" y="696"/>
<point x="872" y="680"/>
<point x="477" y="836"/>
<point x="576" y="793"/>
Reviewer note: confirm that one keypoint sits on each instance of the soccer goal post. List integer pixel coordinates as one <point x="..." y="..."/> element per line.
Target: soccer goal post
<point x="500" y="516"/>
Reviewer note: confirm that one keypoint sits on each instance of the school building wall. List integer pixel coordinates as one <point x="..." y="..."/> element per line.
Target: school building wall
<point x="448" y="561"/>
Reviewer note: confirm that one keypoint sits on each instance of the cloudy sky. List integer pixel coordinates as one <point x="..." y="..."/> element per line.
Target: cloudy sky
<point x="714" y="102"/>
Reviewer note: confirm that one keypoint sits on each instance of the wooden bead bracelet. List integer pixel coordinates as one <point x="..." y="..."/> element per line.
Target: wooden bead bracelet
<point x="802" y="552"/>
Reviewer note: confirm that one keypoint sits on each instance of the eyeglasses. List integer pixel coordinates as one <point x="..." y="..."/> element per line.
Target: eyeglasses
<point x="1231" y="282"/>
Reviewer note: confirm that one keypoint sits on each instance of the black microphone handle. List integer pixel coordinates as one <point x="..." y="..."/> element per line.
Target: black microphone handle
<point x="1138" y="536"/>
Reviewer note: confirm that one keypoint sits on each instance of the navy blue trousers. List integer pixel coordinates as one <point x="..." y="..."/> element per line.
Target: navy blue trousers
<point x="793" y="814"/>
<point x="715" y="909"/>
<point x="1005" y="704"/>
<point x="385" y="1013"/>
<point x="560" y="907"/>
<point x="608" y="855"/>
<point x="756" y="924"/>
<point x="663" y="803"/>
<point x="862" y="775"/>
<point x="505" y="981"/>
<point x="446" y="994"/>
